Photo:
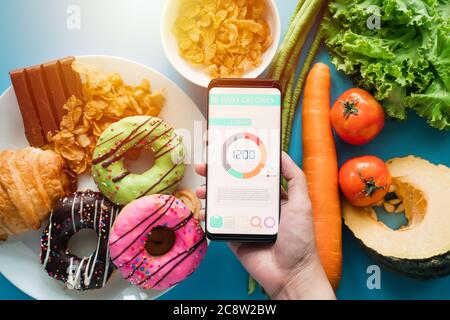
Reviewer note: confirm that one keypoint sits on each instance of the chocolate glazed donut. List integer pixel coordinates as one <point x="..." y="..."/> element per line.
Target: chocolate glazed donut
<point x="81" y="210"/>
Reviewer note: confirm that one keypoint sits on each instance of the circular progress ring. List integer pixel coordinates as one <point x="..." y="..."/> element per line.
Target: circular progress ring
<point x="262" y="151"/>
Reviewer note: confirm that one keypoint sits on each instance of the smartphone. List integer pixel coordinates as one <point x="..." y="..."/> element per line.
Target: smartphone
<point x="243" y="160"/>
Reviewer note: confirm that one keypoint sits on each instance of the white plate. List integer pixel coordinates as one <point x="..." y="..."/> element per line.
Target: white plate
<point x="19" y="256"/>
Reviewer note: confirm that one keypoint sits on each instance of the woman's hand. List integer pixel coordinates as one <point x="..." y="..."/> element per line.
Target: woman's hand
<point x="290" y="268"/>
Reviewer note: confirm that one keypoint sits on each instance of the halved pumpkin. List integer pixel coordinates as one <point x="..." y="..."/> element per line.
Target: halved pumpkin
<point x="421" y="248"/>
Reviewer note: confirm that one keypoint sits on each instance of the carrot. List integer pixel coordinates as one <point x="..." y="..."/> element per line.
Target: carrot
<point x="321" y="170"/>
<point x="285" y="64"/>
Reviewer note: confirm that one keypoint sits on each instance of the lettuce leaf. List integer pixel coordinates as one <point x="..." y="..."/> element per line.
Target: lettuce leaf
<point x="405" y="62"/>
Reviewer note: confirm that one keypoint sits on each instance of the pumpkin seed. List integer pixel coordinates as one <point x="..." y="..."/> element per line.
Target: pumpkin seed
<point x="388" y="207"/>
<point x="400" y="208"/>
<point x="395" y="201"/>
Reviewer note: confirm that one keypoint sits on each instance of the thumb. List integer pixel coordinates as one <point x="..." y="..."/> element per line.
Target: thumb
<point x="297" y="187"/>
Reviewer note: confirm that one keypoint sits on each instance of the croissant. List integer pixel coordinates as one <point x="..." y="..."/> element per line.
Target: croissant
<point x="31" y="181"/>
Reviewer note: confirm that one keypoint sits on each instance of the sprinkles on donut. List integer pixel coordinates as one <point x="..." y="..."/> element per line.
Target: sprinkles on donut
<point x="156" y="242"/>
<point x="132" y="134"/>
<point x="80" y="210"/>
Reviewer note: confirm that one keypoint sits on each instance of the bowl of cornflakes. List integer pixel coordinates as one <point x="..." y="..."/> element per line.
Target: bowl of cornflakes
<point x="208" y="39"/>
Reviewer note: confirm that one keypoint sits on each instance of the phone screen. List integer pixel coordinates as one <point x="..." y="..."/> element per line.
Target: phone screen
<point x="243" y="166"/>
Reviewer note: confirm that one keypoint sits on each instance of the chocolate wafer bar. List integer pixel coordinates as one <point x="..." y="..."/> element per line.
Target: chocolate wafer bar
<point x="41" y="92"/>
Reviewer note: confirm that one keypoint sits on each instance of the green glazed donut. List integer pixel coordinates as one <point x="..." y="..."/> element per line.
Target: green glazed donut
<point x="133" y="133"/>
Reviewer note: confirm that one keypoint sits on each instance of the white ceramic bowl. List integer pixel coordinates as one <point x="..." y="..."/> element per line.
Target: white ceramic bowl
<point x="197" y="74"/>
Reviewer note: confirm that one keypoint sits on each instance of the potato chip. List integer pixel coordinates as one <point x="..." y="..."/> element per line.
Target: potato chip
<point x="93" y="110"/>
<point x="251" y="26"/>
<point x="205" y="20"/>
<point x="190" y="199"/>
<point x="78" y="166"/>
<point x="227" y="37"/>
<point x="212" y="71"/>
<point x="72" y="152"/>
<point x="191" y="11"/>
<point x="83" y="140"/>
<point x="81" y="130"/>
<point x="185" y="43"/>
<point x="247" y="38"/>
<point x="107" y="100"/>
<point x="194" y="34"/>
<point x="210" y="52"/>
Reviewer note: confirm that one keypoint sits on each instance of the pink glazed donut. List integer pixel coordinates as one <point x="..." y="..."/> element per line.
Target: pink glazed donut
<point x="156" y="242"/>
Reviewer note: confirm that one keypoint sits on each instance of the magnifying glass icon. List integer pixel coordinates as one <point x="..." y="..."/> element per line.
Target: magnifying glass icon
<point x="256" y="222"/>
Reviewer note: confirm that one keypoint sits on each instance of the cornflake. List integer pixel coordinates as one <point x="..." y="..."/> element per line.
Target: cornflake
<point x="107" y="100"/>
<point x="227" y="37"/>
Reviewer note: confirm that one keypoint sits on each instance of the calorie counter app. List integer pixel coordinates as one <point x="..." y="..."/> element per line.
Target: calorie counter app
<point x="244" y="160"/>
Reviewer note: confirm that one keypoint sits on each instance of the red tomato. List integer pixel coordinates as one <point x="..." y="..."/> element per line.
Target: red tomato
<point x="364" y="180"/>
<point x="357" y="117"/>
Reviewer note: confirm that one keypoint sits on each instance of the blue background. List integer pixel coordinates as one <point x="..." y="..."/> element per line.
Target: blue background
<point x="32" y="32"/>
